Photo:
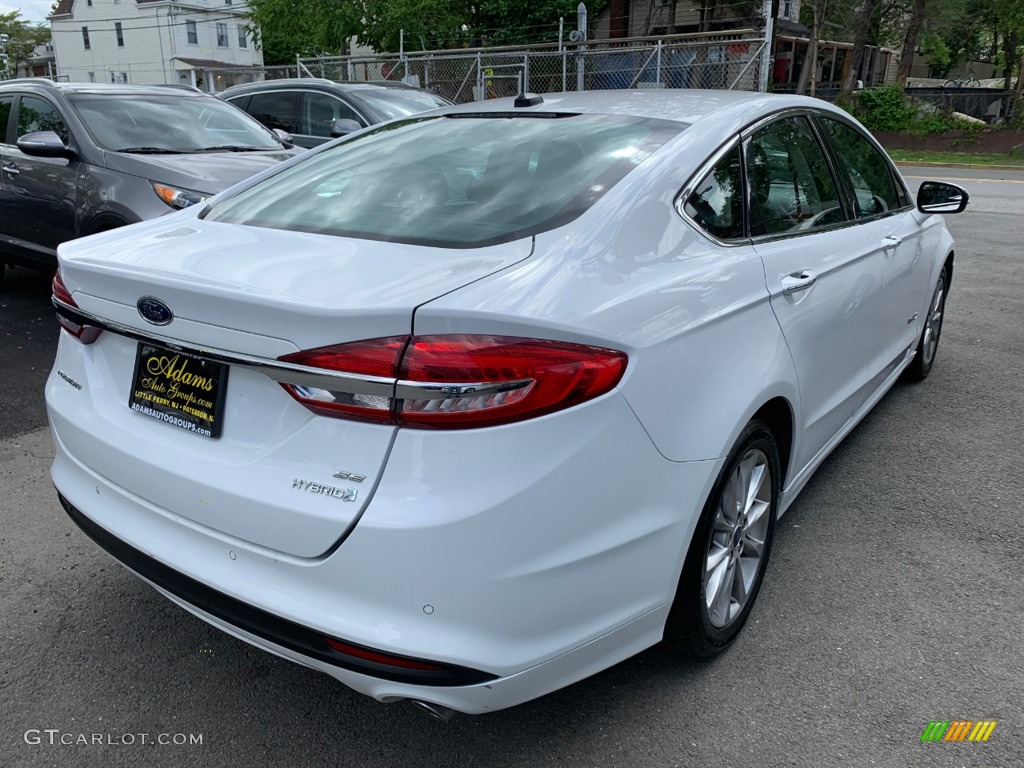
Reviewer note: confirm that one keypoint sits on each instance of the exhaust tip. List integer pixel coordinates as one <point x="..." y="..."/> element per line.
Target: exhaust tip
<point x="434" y="710"/>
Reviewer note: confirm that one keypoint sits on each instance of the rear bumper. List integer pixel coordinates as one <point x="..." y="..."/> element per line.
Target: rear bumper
<point x="257" y="623"/>
<point x="521" y="562"/>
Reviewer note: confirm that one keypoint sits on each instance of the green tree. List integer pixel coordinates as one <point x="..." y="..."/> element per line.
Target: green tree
<point x="311" y="27"/>
<point x="286" y="28"/>
<point x="24" y="39"/>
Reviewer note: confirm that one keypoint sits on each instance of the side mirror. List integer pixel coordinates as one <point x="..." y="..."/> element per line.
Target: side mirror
<point x="43" y="144"/>
<point x="285" y="138"/>
<point x="941" y="197"/>
<point x="344" y="126"/>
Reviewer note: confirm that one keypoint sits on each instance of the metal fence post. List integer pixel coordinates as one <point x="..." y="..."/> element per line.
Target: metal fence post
<point x="526" y="73"/>
<point x="657" y="67"/>
<point x="479" y="95"/>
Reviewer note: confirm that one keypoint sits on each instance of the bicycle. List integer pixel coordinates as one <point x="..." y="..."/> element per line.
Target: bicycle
<point x="966" y="80"/>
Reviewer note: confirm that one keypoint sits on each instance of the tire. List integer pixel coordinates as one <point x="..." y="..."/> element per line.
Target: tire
<point x="694" y="628"/>
<point x="928" y="344"/>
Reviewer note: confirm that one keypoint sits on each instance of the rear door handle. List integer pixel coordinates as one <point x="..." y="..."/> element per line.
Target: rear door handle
<point x="891" y="243"/>
<point x="12" y="169"/>
<point x="798" y="281"/>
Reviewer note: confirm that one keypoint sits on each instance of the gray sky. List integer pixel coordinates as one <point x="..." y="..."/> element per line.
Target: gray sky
<point x="33" y="10"/>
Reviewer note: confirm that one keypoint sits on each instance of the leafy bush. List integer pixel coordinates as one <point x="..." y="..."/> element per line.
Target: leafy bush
<point x="889" y="109"/>
<point x="884" y="109"/>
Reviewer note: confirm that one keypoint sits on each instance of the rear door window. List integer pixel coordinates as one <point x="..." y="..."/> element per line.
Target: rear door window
<point x="6" y="103"/>
<point x="791" y="186"/>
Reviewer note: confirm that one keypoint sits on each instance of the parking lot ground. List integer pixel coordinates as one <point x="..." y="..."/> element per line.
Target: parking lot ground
<point x="893" y="599"/>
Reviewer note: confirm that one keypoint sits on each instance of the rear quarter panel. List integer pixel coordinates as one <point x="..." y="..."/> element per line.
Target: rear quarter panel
<point x="705" y="349"/>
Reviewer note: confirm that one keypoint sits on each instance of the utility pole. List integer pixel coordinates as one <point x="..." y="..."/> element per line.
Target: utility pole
<point x="581" y="36"/>
<point x="766" y="55"/>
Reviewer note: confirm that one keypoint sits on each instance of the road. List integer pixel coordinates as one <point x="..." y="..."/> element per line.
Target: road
<point x="892" y="599"/>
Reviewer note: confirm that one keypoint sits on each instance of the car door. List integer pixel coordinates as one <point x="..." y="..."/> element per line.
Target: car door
<point x="823" y="277"/>
<point x="886" y="215"/>
<point x="40" y="192"/>
<point x="319" y="111"/>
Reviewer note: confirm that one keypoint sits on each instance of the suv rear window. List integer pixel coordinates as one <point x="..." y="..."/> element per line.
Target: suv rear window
<point x="457" y="181"/>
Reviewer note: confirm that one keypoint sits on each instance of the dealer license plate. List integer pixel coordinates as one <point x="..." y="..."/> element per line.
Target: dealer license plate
<point x="181" y="390"/>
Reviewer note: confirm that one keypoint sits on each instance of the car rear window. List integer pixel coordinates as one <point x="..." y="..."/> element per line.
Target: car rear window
<point x="456" y="182"/>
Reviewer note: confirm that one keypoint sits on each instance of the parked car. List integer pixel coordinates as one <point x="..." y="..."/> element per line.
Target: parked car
<point x="314" y="110"/>
<point x="79" y="158"/>
<point x="465" y="409"/>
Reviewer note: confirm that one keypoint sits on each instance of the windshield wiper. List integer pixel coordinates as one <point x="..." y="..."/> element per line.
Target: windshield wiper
<point x="155" y="151"/>
<point x="234" y="148"/>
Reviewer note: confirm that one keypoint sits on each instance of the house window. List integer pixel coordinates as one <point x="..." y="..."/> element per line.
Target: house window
<point x="227" y="2"/>
<point x="92" y="77"/>
<point x="787" y="11"/>
<point x="120" y="34"/>
<point x="89" y="3"/>
<point x="85" y="37"/>
<point x="242" y="42"/>
<point x="193" y="34"/>
<point x="222" y="35"/>
<point x="119" y="77"/>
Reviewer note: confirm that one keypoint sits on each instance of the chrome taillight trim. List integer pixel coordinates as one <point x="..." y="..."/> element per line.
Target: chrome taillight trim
<point x="279" y="371"/>
<point x="300" y="375"/>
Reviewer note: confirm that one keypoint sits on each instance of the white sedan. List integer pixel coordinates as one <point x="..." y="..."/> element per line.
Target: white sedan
<point x="466" y="407"/>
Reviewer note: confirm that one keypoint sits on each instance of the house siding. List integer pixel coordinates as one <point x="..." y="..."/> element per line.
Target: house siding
<point x="155" y="37"/>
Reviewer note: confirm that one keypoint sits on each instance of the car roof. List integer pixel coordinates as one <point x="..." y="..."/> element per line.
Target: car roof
<point x="317" y="83"/>
<point x="680" y="105"/>
<point x="42" y="83"/>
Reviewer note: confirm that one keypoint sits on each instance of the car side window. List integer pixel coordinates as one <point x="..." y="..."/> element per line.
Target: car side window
<point x="716" y="202"/>
<point x="6" y="102"/>
<point x="791" y="186"/>
<point x="37" y="114"/>
<point x="320" y="112"/>
<point x="874" y="189"/>
<point x="276" y="109"/>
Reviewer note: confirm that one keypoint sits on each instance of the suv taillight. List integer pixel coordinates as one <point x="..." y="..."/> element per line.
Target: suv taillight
<point x="86" y="334"/>
<point x="459" y="381"/>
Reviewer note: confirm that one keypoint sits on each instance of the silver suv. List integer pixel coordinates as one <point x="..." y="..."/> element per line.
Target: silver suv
<point x="81" y="158"/>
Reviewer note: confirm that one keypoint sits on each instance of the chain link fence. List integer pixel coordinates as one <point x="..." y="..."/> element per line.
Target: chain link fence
<point x="732" y="61"/>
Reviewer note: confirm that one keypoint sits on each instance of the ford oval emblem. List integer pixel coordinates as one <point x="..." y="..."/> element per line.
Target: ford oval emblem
<point x="154" y="311"/>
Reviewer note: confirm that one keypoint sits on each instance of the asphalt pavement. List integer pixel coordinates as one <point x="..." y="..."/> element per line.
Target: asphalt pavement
<point x="893" y="599"/>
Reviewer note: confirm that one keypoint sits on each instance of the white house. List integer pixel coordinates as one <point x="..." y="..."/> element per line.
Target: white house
<point x="194" y="42"/>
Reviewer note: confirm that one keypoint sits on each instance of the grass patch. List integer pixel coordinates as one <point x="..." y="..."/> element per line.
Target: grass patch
<point x="957" y="158"/>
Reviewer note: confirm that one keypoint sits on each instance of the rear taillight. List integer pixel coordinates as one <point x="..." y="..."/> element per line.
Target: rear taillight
<point x="457" y="381"/>
<point x="86" y="334"/>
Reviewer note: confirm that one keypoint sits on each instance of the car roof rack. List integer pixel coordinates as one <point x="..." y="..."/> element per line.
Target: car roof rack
<point x="38" y="80"/>
<point x="180" y="87"/>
